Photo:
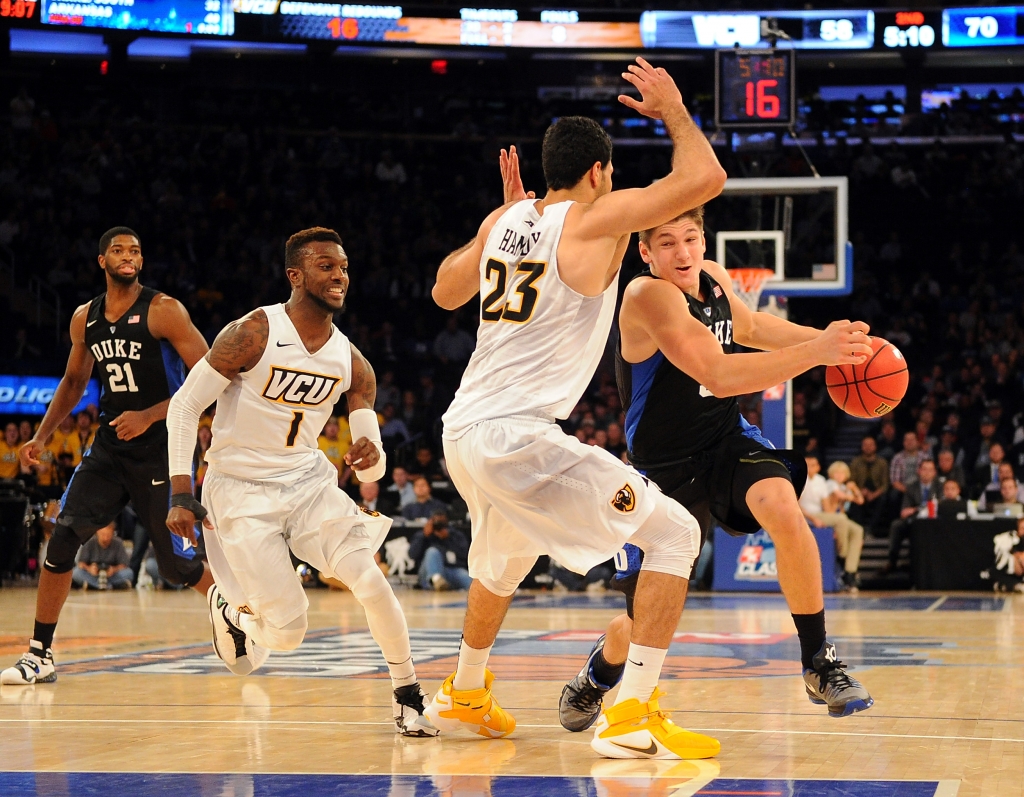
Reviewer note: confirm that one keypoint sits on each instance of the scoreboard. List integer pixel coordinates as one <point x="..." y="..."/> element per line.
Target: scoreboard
<point x="558" y="28"/>
<point x="755" y="88"/>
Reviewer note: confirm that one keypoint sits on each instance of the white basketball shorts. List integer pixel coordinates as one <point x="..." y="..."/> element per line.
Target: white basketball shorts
<point x="256" y="523"/>
<point x="532" y="490"/>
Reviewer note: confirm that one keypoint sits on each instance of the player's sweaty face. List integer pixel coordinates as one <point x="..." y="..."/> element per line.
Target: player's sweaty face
<point x="675" y="253"/>
<point x="326" y="274"/>
<point x="123" y="258"/>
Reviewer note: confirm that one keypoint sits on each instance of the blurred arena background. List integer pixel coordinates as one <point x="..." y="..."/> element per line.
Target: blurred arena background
<point x="217" y="130"/>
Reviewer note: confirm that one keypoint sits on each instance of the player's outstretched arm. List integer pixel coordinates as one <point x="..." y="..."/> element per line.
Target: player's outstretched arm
<point x="696" y="175"/>
<point x="658" y="309"/>
<point x="68" y="393"/>
<point x="170" y="321"/>
<point x="366" y="456"/>
<point x="762" y="331"/>
<point x="458" y="278"/>
<point x="237" y="348"/>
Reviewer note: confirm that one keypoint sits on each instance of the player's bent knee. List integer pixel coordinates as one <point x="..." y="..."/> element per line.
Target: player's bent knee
<point x="670" y="539"/>
<point x="62" y="550"/>
<point x="288" y="637"/>
<point x="370" y="586"/>
<point x="180" y="571"/>
<point x="515" y="571"/>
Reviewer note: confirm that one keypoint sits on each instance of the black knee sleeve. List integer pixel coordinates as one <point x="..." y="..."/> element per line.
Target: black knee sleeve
<point x="179" y="570"/>
<point x="62" y="550"/>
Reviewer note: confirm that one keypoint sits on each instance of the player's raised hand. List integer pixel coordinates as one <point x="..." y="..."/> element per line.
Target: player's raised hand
<point x="29" y="453"/>
<point x="844" y="343"/>
<point x="510" y="177"/>
<point x="362" y="455"/>
<point x="658" y="92"/>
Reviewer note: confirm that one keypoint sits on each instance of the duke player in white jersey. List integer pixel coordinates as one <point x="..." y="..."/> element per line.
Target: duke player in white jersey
<point x="547" y="272"/>
<point x="276" y="375"/>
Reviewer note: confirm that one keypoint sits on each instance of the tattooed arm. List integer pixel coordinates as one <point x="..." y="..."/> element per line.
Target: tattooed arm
<point x="240" y="345"/>
<point x="237" y="349"/>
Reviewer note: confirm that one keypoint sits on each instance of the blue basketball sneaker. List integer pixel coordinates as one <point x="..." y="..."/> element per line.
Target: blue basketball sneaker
<point x="829" y="684"/>
<point x="580" y="703"/>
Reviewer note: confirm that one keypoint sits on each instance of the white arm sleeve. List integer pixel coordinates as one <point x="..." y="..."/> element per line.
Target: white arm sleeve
<point x="363" y="423"/>
<point x="202" y="387"/>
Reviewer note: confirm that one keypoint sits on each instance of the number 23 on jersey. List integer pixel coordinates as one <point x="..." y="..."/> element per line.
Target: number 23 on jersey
<point x="519" y="307"/>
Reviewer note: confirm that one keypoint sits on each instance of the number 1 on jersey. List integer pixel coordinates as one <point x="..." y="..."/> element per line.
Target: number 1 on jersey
<point x="293" y="432"/>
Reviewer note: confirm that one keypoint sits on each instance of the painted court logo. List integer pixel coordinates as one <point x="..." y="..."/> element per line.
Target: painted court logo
<point x="625" y="499"/>
<point x="756" y="561"/>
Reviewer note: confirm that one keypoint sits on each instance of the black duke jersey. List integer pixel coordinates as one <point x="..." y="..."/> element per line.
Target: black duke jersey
<point x="135" y="370"/>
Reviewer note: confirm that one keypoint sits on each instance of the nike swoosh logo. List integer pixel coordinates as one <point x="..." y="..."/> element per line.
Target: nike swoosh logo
<point x="156" y="483"/>
<point x="48" y="563"/>
<point x="637" y="663"/>
<point x="281" y="345"/>
<point x="458" y="703"/>
<point x="652" y="750"/>
<point x="90" y="323"/>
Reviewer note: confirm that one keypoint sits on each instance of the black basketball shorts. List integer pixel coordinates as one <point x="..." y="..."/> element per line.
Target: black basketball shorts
<point x="111" y="475"/>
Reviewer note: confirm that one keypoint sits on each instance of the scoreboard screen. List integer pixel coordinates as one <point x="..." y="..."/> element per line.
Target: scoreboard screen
<point x="754" y="88"/>
<point x="211" y="17"/>
<point x="983" y="27"/>
<point x="804" y="30"/>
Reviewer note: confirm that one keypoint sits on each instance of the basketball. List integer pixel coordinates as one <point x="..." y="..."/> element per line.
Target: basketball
<point x="874" y="388"/>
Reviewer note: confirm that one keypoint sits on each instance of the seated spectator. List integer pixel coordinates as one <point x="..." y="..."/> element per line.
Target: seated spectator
<point x="904" y="465"/>
<point x="886" y="440"/>
<point x="102" y="562"/>
<point x="10" y="465"/>
<point x="952" y="504"/>
<point x="987" y="476"/>
<point x="616" y="444"/>
<point x="916" y="498"/>
<point x="1008" y="502"/>
<point x="443" y="554"/>
<point x="393" y="431"/>
<point x="994" y="494"/>
<point x="823" y="503"/>
<point x="401" y="486"/>
<point x="331" y="443"/>
<point x="948" y="469"/>
<point x="427" y="466"/>
<point x="453" y="345"/>
<point x="425" y="504"/>
<point x="871" y="474"/>
<point x="370" y="498"/>
<point x="388" y="170"/>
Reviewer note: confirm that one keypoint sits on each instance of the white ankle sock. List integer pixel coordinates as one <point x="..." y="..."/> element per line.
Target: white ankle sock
<point x="472" y="669"/>
<point x="403" y="673"/>
<point x="643" y="668"/>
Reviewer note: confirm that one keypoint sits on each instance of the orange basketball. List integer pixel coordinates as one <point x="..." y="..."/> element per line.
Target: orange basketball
<point x="873" y="389"/>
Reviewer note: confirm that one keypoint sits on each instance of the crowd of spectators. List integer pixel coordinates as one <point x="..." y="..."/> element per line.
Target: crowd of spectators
<point x="215" y="182"/>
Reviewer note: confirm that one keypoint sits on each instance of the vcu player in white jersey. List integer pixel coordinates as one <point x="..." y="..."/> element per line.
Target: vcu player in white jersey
<point x="276" y="375"/>
<point x="547" y="271"/>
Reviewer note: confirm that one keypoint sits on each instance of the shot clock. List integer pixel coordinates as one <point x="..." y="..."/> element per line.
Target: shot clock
<point x="754" y="88"/>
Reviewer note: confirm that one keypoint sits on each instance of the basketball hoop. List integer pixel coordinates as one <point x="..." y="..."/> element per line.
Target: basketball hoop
<point x="748" y="284"/>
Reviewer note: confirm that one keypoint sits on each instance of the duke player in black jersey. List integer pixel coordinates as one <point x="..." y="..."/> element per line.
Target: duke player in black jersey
<point x="140" y="343"/>
<point x="678" y="379"/>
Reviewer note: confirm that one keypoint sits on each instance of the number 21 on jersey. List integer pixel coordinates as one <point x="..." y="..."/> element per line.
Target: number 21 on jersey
<point x="519" y="307"/>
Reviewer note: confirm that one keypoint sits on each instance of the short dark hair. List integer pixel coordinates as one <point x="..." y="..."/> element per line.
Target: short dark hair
<point x="572" y="145"/>
<point x="697" y="214"/>
<point x="112" y="233"/>
<point x="440" y="520"/>
<point x="293" y="246"/>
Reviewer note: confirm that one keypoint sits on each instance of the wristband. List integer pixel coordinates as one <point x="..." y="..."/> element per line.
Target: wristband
<point x="189" y="502"/>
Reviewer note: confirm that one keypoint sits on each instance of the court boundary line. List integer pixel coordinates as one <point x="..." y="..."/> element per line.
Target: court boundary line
<point x="939" y="782"/>
<point x="146" y="721"/>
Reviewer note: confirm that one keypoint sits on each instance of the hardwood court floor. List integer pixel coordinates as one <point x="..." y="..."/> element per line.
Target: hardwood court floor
<point x="140" y="692"/>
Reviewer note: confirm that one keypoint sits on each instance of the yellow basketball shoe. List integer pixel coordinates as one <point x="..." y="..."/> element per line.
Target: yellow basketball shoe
<point x="470" y="709"/>
<point x="632" y="729"/>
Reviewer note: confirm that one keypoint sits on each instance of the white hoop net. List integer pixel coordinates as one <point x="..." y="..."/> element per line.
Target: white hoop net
<point x="748" y="284"/>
